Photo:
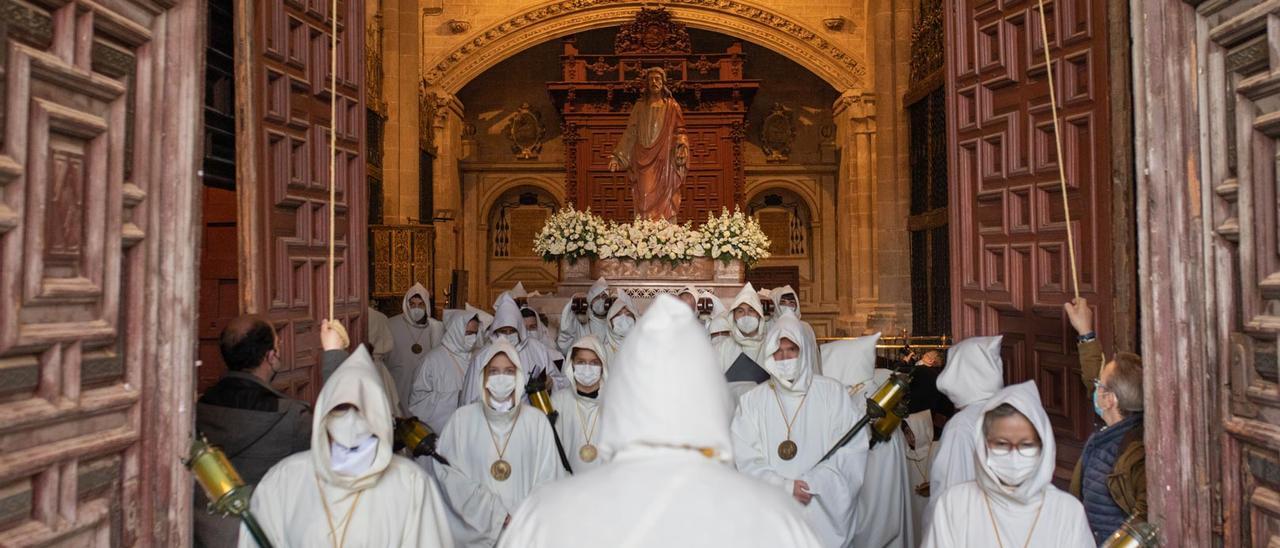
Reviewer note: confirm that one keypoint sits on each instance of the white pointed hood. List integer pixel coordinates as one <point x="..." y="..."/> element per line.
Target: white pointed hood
<point x="850" y="361"/>
<point x="486" y="320"/>
<point x="588" y="342"/>
<point x="518" y="292"/>
<point x="380" y="337"/>
<point x="690" y="289"/>
<point x="419" y="291"/>
<point x="478" y="391"/>
<point x="356" y="382"/>
<point x="790" y="328"/>
<point x="507" y="314"/>
<point x="748" y="296"/>
<point x="777" y="295"/>
<point x="717" y="305"/>
<point x="974" y="371"/>
<point x="1024" y="397"/>
<point x="666" y="388"/>
<point x="599" y="287"/>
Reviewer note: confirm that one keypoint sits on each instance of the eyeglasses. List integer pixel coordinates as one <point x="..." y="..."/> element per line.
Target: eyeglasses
<point x="1097" y="385"/>
<point x="1002" y="449"/>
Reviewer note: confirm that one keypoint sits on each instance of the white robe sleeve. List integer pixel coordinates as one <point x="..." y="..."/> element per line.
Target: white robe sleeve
<point x="271" y="517"/>
<point x="570" y="328"/>
<point x="426" y="401"/>
<point x="749" y="452"/>
<point x="941" y="532"/>
<point x="480" y="510"/>
<point x="954" y="463"/>
<point x="836" y="482"/>
<point x="430" y="527"/>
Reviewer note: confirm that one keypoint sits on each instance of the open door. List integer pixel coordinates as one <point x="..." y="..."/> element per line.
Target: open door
<point x="282" y="174"/>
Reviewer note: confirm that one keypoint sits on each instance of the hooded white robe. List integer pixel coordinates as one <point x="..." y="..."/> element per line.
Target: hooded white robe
<point x="823" y="412"/>
<point x="396" y="502"/>
<point x="438" y="384"/>
<point x="665" y="438"/>
<point x="541" y="334"/>
<point x="579" y="421"/>
<point x="974" y="372"/>
<point x="480" y="502"/>
<point x="612" y="340"/>
<point x="486" y="320"/>
<point x="534" y="357"/>
<point x="571" y="329"/>
<point x="717" y="311"/>
<point x="884" y="508"/>
<point x="402" y="362"/>
<point x="919" y="459"/>
<point x="777" y="295"/>
<point x="728" y="349"/>
<point x="962" y="516"/>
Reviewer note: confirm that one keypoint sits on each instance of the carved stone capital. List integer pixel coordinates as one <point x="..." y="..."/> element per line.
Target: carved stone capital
<point x="857" y="108"/>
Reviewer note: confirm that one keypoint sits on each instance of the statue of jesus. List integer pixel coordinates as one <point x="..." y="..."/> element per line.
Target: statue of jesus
<point x="654" y="150"/>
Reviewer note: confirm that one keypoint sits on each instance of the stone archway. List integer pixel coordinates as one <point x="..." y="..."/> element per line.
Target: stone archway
<point x="451" y="71"/>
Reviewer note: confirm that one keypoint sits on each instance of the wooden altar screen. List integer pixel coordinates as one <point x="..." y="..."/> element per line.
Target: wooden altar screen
<point x="597" y="94"/>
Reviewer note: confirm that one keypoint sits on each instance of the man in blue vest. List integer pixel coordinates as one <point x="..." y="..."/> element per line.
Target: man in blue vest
<point x="1110" y="478"/>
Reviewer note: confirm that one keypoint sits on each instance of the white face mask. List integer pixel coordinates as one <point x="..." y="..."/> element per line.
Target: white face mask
<point x="1012" y="469"/>
<point x="748" y="324"/>
<point x="587" y="374"/>
<point x="788" y="308"/>
<point x="353" y="461"/>
<point x="597" y="306"/>
<point x="348" y="428"/>
<point x="622" y="324"/>
<point x="469" y="340"/>
<point x="500" y="387"/>
<point x="416" y="314"/>
<point x="513" y="338"/>
<point x="786" y="370"/>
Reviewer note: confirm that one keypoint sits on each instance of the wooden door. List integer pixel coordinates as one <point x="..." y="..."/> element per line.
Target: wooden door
<point x="99" y="104"/>
<point x="282" y="165"/>
<point x="1010" y="269"/>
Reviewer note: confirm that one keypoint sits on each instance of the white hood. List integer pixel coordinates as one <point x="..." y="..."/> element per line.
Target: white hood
<point x="789" y="327"/>
<point x="422" y="292"/>
<point x="667" y="388"/>
<point x="717" y="305"/>
<point x="506" y="313"/>
<point x="779" y="292"/>
<point x="851" y="361"/>
<point x="518" y="291"/>
<point x="486" y="320"/>
<point x="588" y="342"/>
<point x="480" y="394"/>
<point x="690" y="289"/>
<point x="600" y="287"/>
<point x="623" y="302"/>
<point x="455" y="331"/>
<point x="974" y="371"/>
<point x="355" y="382"/>
<point x="720" y="323"/>
<point x="748" y="296"/>
<point x="1024" y="397"/>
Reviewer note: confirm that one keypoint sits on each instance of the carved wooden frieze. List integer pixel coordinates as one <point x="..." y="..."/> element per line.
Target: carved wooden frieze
<point x="653" y="31"/>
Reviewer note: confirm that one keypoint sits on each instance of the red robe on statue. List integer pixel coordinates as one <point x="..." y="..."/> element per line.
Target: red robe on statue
<point x="648" y="150"/>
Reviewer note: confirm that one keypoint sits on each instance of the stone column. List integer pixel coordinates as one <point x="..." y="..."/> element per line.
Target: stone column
<point x="858" y="292"/>
<point x="444" y="118"/>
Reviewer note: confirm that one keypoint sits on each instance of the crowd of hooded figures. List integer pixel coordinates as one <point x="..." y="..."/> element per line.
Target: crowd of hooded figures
<point x="679" y="425"/>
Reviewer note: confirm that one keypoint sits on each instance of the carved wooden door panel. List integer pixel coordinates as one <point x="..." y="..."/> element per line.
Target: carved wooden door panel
<point x="283" y="60"/>
<point x="1243" y="105"/>
<point x="1010" y="266"/>
<point x="99" y="108"/>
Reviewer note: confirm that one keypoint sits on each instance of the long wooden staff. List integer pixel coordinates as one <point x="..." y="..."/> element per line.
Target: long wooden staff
<point x="1057" y="138"/>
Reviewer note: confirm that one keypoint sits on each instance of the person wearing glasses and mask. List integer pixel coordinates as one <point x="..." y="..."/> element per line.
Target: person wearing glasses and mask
<point x="536" y="358"/>
<point x="1012" y="503"/>
<point x="498" y="448"/>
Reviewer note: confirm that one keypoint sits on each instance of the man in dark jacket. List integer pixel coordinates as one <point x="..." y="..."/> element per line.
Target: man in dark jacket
<point x="1111" y="476"/>
<point x="252" y="422"/>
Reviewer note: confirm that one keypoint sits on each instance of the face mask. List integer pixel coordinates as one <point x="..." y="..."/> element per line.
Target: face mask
<point x="622" y="324"/>
<point x="587" y="374"/>
<point x="748" y="324"/>
<point x="513" y="338"/>
<point x="469" y="340"/>
<point x="1097" y="408"/>
<point x="787" y="370"/>
<point x="500" y="387"/>
<point x="416" y="314"/>
<point x="353" y="461"/>
<point x="788" y="308"/>
<point x="597" y="306"/>
<point x="348" y="428"/>
<point x="1012" y="469"/>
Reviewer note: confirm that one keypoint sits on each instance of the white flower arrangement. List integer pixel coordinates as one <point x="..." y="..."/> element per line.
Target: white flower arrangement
<point x="569" y="234"/>
<point x="572" y="234"/>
